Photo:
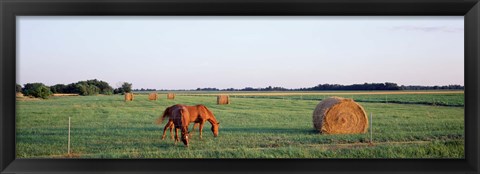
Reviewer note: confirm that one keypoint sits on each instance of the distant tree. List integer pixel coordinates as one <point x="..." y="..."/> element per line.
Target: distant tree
<point x="146" y="89"/>
<point x="118" y="91"/>
<point x="127" y="87"/>
<point x="37" y="90"/>
<point x="58" y="88"/>
<point x="71" y="89"/>
<point x="248" y="89"/>
<point x="93" y="90"/>
<point x="103" y="87"/>
<point x="365" y="86"/>
<point x="87" y="89"/>
<point x="82" y="88"/>
<point x="207" y="89"/>
<point x="391" y="86"/>
<point x="417" y="87"/>
<point x="18" y="88"/>
<point x="279" y="89"/>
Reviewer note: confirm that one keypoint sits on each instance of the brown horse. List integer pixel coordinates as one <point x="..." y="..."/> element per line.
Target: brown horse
<point x="199" y="114"/>
<point x="181" y="119"/>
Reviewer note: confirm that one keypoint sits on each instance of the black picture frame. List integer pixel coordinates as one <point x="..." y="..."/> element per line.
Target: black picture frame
<point x="9" y="9"/>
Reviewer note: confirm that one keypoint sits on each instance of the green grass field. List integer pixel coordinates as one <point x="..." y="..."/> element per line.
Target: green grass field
<point x="404" y="126"/>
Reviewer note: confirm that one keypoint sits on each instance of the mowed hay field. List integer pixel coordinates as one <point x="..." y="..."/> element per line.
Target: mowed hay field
<point x="251" y="126"/>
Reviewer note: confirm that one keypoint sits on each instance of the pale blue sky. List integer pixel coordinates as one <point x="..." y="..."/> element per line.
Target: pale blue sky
<point x="236" y="52"/>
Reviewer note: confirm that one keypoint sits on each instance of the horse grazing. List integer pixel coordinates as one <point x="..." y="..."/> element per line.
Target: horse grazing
<point x="180" y="117"/>
<point x="199" y="114"/>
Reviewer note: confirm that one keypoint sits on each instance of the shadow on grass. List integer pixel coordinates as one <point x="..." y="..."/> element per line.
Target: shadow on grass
<point x="114" y="131"/>
<point x="269" y="130"/>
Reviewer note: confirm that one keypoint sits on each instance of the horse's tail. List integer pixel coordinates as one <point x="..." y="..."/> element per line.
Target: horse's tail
<point x="162" y="117"/>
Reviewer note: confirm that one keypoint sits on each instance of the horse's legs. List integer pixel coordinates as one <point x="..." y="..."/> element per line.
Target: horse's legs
<point x="193" y="129"/>
<point x="168" y="125"/>
<point x="171" y="133"/>
<point x="201" y="128"/>
<point x="176" y="136"/>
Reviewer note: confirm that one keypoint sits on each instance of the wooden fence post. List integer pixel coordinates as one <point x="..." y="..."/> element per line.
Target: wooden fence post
<point x="69" y="123"/>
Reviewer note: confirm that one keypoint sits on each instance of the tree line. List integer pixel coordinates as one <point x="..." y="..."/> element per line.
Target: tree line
<point x="94" y="87"/>
<point x="85" y="88"/>
<point x="338" y="87"/>
<point x="143" y="89"/>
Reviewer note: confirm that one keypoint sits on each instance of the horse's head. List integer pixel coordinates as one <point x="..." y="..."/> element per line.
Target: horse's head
<point x="215" y="129"/>
<point x="185" y="115"/>
<point x="180" y="116"/>
<point x="185" y="138"/>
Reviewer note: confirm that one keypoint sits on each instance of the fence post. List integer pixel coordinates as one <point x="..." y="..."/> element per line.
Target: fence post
<point x="69" y="118"/>
<point x="371" y="128"/>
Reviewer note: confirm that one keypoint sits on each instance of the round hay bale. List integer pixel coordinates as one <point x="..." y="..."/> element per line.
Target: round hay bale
<point x="171" y="96"/>
<point x="128" y="96"/>
<point x="19" y="95"/>
<point x="153" y="96"/>
<point x="338" y="115"/>
<point x="223" y="100"/>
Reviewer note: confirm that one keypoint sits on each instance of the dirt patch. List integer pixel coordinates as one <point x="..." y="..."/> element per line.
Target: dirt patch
<point x="60" y="95"/>
<point x="71" y="155"/>
<point x="27" y="98"/>
<point x="362" y="145"/>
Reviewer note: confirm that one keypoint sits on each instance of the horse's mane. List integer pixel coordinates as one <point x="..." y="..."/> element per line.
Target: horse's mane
<point x="209" y="114"/>
<point x="202" y="109"/>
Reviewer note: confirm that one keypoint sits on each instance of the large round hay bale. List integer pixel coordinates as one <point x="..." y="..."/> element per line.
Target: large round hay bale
<point x="19" y="95"/>
<point x="223" y="100"/>
<point x="128" y="96"/>
<point x="171" y="96"/>
<point x="153" y="96"/>
<point x="338" y="115"/>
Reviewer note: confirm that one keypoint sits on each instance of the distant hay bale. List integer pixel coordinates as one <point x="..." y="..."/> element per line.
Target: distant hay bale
<point x="153" y="96"/>
<point x="223" y="100"/>
<point x="171" y="96"/>
<point x="19" y="94"/>
<point x="129" y="96"/>
<point x="338" y="115"/>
